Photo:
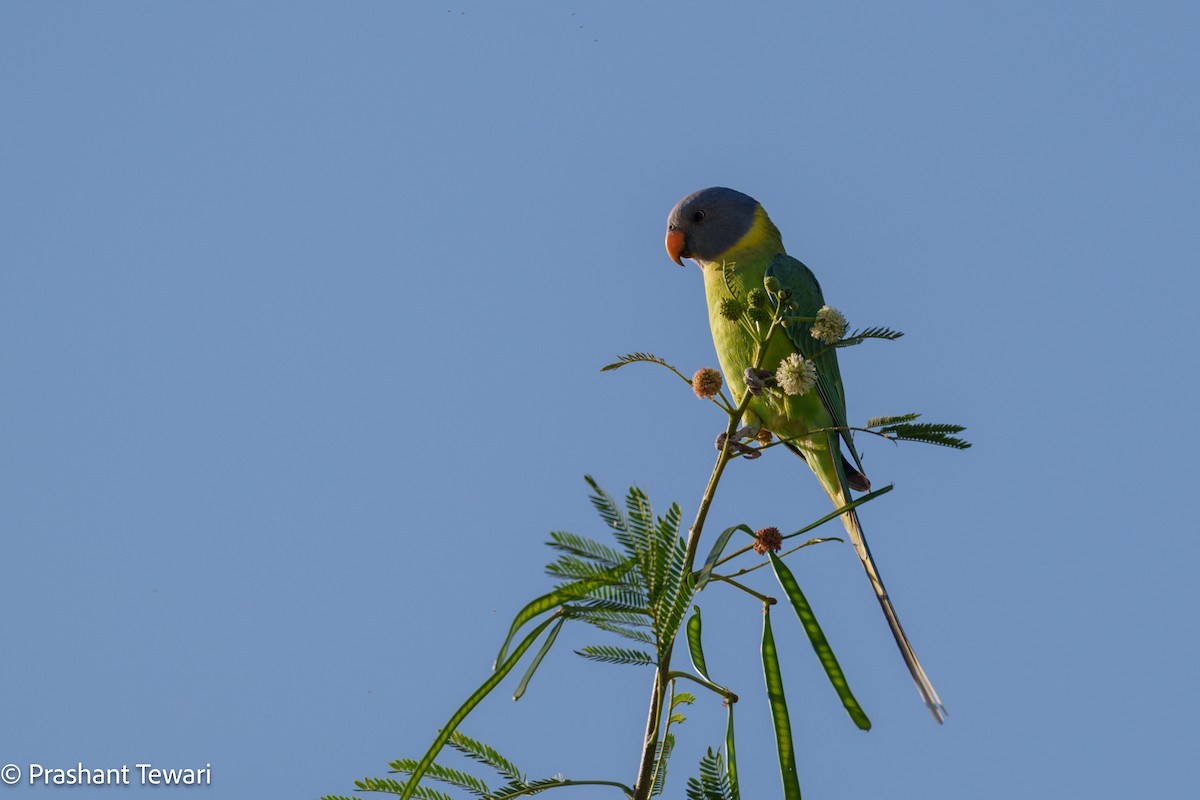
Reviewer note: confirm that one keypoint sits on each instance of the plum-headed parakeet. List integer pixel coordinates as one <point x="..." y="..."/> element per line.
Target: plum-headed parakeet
<point x="737" y="246"/>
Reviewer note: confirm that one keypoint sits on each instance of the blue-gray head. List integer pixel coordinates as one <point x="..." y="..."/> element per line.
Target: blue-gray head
<point x="708" y="222"/>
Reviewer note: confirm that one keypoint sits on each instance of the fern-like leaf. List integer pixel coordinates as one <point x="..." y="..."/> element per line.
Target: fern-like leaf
<point x="667" y="624"/>
<point x="928" y="432"/>
<point x="876" y="332"/>
<point x="640" y="520"/>
<point x="575" y="568"/>
<point x="878" y="422"/>
<point x="609" y="654"/>
<point x="634" y="358"/>
<point x="584" y="547"/>
<point x="614" y="583"/>
<point x="485" y="754"/>
<point x="713" y="782"/>
<point x="391" y="786"/>
<point x="669" y="553"/>
<point x="631" y="619"/>
<point x="661" y="757"/>
<point x="643" y="636"/>
<point x="440" y="772"/>
<point x="610" y="512"/>
<point x="615" y="598"/>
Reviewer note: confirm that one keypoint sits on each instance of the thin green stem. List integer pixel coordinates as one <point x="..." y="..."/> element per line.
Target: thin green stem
<point x="712" y="687"/>
<point x="650" y="744"/>
<point x="541" y="787"/>
<point x="733" y="555"/>
<point x="748" y="570"/>
<point x="830" y="429"/>
<point x="658" y="766"/>
<point x="722" y="402"/>
<point x="767" y="599"/>
<point x="645" y="780"/>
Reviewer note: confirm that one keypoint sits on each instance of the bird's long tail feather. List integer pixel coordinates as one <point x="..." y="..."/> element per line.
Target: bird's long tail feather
<point x="928" y="693"/>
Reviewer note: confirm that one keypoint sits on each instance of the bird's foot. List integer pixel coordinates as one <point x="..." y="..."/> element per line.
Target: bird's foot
<point x="756" y="380"/>
<point x="735" y="445"/>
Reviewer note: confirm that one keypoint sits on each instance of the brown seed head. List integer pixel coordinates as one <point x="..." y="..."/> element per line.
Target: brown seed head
<point x="767" y="539"/>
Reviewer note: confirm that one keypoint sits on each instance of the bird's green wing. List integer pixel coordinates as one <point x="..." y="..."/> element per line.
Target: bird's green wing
<point x="806" y="294"/>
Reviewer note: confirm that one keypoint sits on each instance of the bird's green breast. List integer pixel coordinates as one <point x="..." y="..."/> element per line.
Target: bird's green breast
<point x="740" y="269"/>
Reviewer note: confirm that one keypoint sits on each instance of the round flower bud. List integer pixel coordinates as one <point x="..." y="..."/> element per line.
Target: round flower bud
<point x="759" y="314"/>
<point x="706" y="383"/>
<point x="731" y="308"/>
<point x="772" y="283"/>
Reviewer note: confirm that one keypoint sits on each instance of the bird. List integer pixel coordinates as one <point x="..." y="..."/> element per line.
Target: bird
<point x="729" y="235"/>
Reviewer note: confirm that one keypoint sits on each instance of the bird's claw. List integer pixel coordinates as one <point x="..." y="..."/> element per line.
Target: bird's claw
<point x="756" y="380"/>
<point x="735" y="446"/>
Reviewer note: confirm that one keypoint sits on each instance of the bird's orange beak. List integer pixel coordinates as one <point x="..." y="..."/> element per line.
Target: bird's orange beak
<point x="675" y="245"/>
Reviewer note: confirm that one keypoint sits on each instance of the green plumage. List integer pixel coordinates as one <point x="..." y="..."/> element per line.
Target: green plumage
<point x="737" y="246"/>
<point x="792" y="418"/>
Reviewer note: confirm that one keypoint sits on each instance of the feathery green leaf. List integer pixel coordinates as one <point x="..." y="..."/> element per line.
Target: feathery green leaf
<point x="440" y="772"/>
<point x="667" y="626"/>
<point x="928" y="432"/>
<point x="634" y="634"/>
<point x="593" y="611"/>
<point x="859" y="336"/>
<point x="615" y="598"/>
<point x="875" y="422"/>
<point x="485" y="754"/>
<point x="682" y="698"/>
<point x="713" y="783"/>
<point x="610" y="654"/>
<point x="575" y="568"/>
<point x="390" y="786"/>
<point x="633" y="358"/>
<point x="584" y="547"/>
<point x="661" y="756"/>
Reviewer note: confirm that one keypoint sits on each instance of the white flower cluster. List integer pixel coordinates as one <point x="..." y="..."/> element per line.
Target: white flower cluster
<point x="830" y="325"/>
<point x="796" y="374"/>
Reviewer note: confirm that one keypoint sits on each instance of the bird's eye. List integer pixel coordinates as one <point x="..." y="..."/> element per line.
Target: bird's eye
<point x="698" y="216"/>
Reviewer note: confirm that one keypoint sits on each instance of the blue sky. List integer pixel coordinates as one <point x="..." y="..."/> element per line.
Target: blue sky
<point x="301" y="312"/>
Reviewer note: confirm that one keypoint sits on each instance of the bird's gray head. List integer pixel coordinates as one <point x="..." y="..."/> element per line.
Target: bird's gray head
<point x="708" y="222"/>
